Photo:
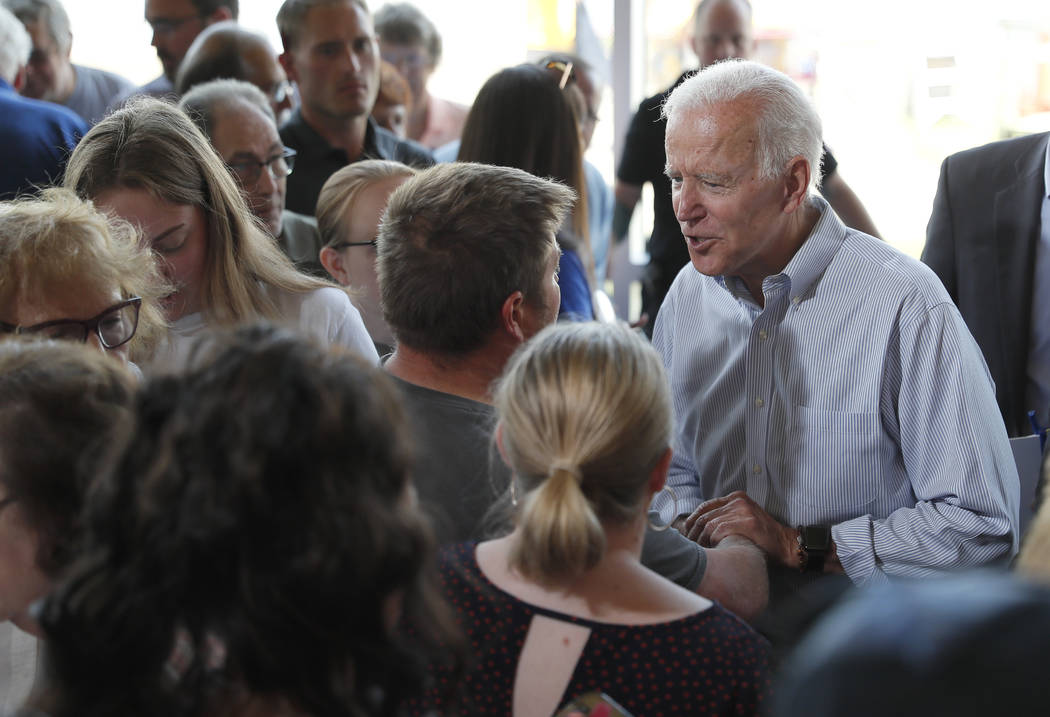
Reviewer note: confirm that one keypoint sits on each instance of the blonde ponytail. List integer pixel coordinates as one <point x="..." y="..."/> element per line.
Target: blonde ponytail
<point x="561" y="536"/>
<point x="585" y="415"/>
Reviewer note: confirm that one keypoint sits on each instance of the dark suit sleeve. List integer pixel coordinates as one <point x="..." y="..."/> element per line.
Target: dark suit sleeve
<point x="939" y="252"/>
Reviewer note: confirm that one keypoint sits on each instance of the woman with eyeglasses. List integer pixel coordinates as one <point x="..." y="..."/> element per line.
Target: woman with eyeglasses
<point x="61" y="405"/>
<point x="349" y="208"/>
<point x="149" y="164"/>
<point x="69" y="272"/>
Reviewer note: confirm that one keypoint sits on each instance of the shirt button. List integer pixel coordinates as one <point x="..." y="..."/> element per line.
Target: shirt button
<point x="757" y="468"/>
<point x="794" y="300"/>
<point x="759" y="402"/>
<point x="762" y="334"/>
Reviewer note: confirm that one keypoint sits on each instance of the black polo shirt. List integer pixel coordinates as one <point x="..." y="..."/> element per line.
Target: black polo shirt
<point x="316" y="160"/>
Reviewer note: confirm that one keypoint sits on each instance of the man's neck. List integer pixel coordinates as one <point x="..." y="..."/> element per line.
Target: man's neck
<point x="345" y="133"/>
<point x="798" y="227"/>
<point x="469" y="376"/>
<point x="417" y="118"/>
<point x="65" y="84"/>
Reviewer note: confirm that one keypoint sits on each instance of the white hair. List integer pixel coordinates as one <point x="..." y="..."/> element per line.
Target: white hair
<point x="788" y="125"/>
<point x="15" y="46"/>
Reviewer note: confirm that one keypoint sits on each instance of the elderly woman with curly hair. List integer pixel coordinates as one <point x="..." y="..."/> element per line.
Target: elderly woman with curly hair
<point x="69" y="272"/>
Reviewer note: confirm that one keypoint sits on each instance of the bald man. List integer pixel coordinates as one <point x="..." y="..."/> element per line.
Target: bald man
<point x="227" y="51"/>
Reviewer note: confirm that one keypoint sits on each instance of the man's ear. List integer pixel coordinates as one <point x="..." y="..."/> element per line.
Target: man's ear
<point x="512" y="315"/>
<point x="19" y="81"/>
<point x="332" y="261"/>
<point x="658" y="476"/>
<point x="796" y="183"/>
<point x="219" y="14"/>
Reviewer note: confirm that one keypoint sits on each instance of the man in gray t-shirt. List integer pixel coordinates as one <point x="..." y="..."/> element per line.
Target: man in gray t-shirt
<point x="467" y="264"/>
<point x="50" y="76"/>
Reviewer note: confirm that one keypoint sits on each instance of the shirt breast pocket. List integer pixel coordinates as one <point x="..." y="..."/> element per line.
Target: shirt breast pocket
<point x="832" y="459"/>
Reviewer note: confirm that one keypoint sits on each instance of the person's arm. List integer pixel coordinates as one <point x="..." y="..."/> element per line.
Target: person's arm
<point x="734" y="573"/>
<point x="954" y="447"/>
<point x="939" y="251"/>
<point x="736" y="577"/>
<point x="626" y="196"/>
<point x="847" y="204"/>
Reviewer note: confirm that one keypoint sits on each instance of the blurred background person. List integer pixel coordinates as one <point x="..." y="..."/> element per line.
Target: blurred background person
<point x="238" y="120"/>
<point x="150" y="165"/>
<point x="265" y="566"/>
<point x="50" y="75"/>
<point x="227" y="51"/>
<point x="351" y="204"/>
<point x="69" y="272"/>
<point x="61" y="407"/>
<point x="394" y="101"/>
<point x="585" y="425"/>
<point x="175" y="25"/>
<point x="36" y="136"/>
<point x="578" y="71"/>
<point x="331" y="53"/>
<point x="521" y="119"/>
<point x="968" y="645"/>
<point x="409" y="41"/>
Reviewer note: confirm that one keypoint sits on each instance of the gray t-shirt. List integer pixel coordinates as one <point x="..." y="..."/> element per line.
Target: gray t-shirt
<point x="94" y="91"/>
<point x="460" y="476"/>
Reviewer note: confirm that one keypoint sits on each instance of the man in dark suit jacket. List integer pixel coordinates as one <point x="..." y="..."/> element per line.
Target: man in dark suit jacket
<point x="981" y="240"/>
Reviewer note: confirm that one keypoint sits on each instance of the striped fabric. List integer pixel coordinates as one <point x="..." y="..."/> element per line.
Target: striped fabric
<point x="18" y="666"/>
<point x="856" y="397"/>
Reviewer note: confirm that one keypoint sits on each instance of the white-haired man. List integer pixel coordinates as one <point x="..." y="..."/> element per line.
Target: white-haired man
<point x="831" y="405"/>
<point x="36" y="136"/>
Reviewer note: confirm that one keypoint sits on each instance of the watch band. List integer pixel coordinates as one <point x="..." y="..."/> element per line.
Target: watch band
<point x="814" y="545"/>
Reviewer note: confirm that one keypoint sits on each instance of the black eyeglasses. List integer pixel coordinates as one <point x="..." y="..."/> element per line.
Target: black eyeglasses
<point x="114" y="327"/>
<point x="279" y="165"/>
<point x="345" y="244"/>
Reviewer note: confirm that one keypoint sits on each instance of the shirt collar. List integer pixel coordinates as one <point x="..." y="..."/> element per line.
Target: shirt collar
<point x="309" y="142"/>
<point x="808" y="263"/>
<point x="6" y="86"/>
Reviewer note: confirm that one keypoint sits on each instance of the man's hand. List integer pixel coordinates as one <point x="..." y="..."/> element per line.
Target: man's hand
<point x="736" y="514"/>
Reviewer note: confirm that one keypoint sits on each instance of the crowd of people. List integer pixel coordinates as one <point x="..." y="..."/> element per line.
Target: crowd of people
<point x="310" y="404"/>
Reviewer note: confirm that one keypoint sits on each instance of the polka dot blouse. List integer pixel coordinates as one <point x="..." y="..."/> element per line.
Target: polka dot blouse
<point x="710" y="663"/>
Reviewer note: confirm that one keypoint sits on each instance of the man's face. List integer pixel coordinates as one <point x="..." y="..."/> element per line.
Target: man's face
<point x="335" y="61"/>
<point x="413" y="62"/>
<point x="723" y="32"/>
<point x="45" y="65"/>
<point x="175" y="23"/>
<point x="732" y="220"/>
<point x="244" y="136"/>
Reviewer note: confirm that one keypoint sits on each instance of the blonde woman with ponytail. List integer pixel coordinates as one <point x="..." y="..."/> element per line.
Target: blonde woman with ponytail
<point x="562" y="606"/>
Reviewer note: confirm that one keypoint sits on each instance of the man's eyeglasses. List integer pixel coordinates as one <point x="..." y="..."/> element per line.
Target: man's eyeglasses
<point x="166" y="26"/>
<point x="249" y="170"/>
<point x="114" y="327"/>
<point x="345" y="244"/>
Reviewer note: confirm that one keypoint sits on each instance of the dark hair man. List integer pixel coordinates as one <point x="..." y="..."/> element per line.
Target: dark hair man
<point x="330" y="52"/>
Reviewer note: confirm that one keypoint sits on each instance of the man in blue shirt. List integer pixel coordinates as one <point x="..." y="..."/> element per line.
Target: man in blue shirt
<point x="831" y="405"/>
<point x="37" y="137"/>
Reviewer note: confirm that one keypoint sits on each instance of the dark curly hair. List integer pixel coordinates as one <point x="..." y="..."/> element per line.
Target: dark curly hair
<point x="255" y="537"/>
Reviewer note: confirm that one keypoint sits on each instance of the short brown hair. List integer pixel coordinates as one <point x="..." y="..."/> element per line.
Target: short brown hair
<point x="457" y="240"/>
<point x="292" y="15"/>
